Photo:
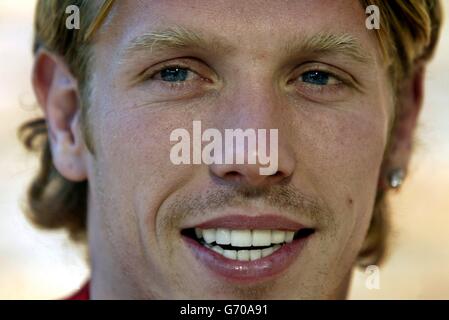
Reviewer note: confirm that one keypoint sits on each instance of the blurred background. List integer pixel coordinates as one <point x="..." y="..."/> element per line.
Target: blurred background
<point x="36" y="264"/>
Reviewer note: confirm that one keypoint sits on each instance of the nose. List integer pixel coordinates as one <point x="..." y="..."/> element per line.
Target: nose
<point x="260" y="113"/>
<point x="249" y="175"/>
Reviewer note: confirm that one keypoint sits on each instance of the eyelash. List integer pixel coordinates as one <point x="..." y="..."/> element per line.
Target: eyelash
<point x="325" y="70"/>
<point x="316" y="92"/>
<point x="175" y="85"/>
<point x="315" y="88"/>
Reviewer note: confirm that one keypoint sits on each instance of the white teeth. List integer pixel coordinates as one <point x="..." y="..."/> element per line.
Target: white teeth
<point x="244" y="238"/>
<point x="198" y="233"/>
<point x="209" y="235"/>
<point x="289" y="236"/>
<point x="241" y="238"/>
<point x="218" y="249"/>
<point x="255" y="254"/>
<point x="261" y="238"/>
<point x="270" y="250"/>
<point x="267" y="252"/>
<point x="243" y="255"/>
<point x="277" y="236"/>
<point x="223" y="236"/>
<point x="231" y="254"/>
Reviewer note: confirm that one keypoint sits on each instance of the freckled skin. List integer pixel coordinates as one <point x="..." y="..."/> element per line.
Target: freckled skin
<point x="331" y="151"/>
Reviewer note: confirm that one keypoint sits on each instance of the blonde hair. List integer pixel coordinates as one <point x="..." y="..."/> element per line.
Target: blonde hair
<point x="409" y="32"/>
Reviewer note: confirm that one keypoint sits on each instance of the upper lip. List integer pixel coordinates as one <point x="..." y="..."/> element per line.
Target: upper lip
<point x="241" y="221"/>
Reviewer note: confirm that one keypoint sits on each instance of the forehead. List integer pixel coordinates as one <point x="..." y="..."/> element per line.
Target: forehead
<point x="251" y="23"/>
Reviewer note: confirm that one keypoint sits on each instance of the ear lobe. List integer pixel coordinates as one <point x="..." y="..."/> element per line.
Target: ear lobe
<point x="68" y="152"/>
<point x="58" y="95"/>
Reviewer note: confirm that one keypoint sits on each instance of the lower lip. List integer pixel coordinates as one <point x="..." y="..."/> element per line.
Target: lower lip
<point x="248" y="271"/>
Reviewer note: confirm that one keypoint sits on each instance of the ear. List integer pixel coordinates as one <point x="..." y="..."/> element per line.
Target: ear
<point x="58" y="95"/>
<point x="409" y="103"/>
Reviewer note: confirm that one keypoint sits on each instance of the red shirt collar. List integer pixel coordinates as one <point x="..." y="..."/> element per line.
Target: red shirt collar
<point x="81" y="294"/>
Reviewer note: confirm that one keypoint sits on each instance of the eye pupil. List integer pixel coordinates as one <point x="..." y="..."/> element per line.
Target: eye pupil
<point x="316" y="77"/>
<point x="174" y="74"/>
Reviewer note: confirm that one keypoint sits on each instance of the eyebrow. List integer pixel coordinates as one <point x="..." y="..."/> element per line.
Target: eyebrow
<point x="330" y="43"/>
<point x="178" y="37"/>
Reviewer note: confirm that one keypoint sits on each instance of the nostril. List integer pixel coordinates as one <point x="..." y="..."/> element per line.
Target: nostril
<point x="278" y="176"/>
<point x="233" y="177"/>
<point x="249" y="175"/>
<point x="232" y="174"/>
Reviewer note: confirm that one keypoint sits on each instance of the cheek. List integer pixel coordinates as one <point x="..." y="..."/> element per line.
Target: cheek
<point x="134" y="157"/>
<point x="345" y="148"/>
<point x="342" y="151"/>
<point x="362" y="144"/>
<point x="130" y="177"/>
<point x="339" y="153"/>
<point x="357" y="145"/>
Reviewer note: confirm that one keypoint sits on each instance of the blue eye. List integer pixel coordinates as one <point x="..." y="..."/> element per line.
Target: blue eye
<point x="174" y="74"/>
<point x="318" y="78"/>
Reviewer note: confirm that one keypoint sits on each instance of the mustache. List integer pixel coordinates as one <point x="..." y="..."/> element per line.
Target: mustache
<point x="285" y="198"/>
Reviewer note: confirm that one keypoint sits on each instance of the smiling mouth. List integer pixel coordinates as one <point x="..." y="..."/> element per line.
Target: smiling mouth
<point x="245" y="244"/>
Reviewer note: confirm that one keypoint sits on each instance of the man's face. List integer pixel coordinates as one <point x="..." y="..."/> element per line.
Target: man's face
<point x="260" y="65"/>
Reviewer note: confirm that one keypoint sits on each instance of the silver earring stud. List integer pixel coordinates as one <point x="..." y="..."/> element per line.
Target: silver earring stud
<point x="396" y="178"/>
